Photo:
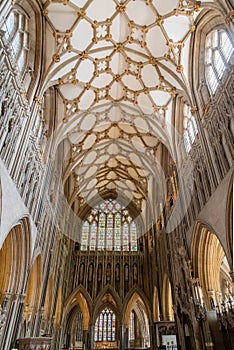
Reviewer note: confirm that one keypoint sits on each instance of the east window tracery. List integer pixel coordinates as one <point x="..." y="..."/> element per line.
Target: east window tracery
<point x="109" y="227"/>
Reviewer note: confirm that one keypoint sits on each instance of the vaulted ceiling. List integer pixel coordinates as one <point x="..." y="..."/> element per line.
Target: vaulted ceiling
<point x="116" y="65"/>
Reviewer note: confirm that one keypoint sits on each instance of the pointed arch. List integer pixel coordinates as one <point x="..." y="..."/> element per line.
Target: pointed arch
<point x="74" y="328"/>
<point x="107" y="297"/>
<point x="210" y="18"/>
<point x="81" y="298"/>
<point x="167" y="303"/>
<point x="15" y="259"/>
<point x="156" y="312"/>
<point x="136" y="321"/>
<point x="58" y="312"/>
<point x="136" y="290"/>
<point x="33" y="288"/>
<point x="210" y="264"/>
<point x="48" y="298"/>
<point x="229" y="222"/>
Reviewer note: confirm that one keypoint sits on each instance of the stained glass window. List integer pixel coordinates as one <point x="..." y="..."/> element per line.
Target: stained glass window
<point x="101" y="231"/>
<point x="93" y="236"/>
<point x="109" y="227"/>
<point x="85" y="236"/>
<point x="133" y="236"/>
<point x="105" y="326"/>
<point x="109" y="234"/>
<point x="125" y="236"/>
<point x="117" y="237"/>
<point x="218" y="52"/>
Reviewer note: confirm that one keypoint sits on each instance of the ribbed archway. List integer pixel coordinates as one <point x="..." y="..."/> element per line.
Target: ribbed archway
<point x="211" y="266"/>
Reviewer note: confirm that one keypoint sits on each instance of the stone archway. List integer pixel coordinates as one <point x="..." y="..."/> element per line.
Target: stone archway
<point x="107" y="320"/>
<point x="156" y="311"/>
<point x="74" y="330"/>
<point x="14" y="265"/>
<point x="136" y="321"/>
<point x="76" y="320"/>
<point x="32" y="298"/>
<point x="47" y="308"/>
<point x="167" y="303"/>
<point x="211" y="266"/>
<point x="229" y="224"/>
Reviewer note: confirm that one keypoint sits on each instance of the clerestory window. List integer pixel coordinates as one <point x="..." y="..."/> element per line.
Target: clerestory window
<point x="109" y="227"/>
<point x="17" y="36"/>
<point x="218" y="51"/>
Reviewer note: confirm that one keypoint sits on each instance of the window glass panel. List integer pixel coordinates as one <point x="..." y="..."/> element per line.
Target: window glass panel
<point x="11" y="25"/>
<point x="219" y="64"/>
<point x="132" y="326"/>
<point x="190" y="128"/>
<point x="226" y="45"/>
<point x="17" y="42"/>
<point x="109" y="228"/>
<point x="85" y="236"/>
<point x="109" y="327"/>
<point x="218" y="52"/>
<point x="93" y="236"/>
<point x="125" y="236"/>
<point x="117" y="232"/>
<point x="214" y="42"/>
<point x="133" y="237"/>
<point x="213" y="81"/>
<point x="105" y="326"/>
<point x="109" y="237"/>
<point x="209" y="56"/>
<point x="100" y="326"/>
<point x="101" y="231"/>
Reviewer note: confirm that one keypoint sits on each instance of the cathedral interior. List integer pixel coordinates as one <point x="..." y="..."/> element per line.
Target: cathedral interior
<point x="116" y="174"/>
